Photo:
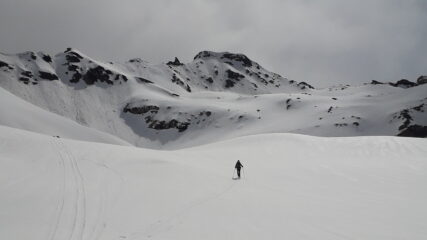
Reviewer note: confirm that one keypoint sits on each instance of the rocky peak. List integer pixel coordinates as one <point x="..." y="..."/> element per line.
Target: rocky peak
<point x="226" y="57"/>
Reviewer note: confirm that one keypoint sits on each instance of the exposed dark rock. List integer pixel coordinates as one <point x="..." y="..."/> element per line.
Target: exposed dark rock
<point x="179" y="82"/>
<point x="203" y="54"/>
<point x="229" y="83"/>
<point x="419" y="108"/>
<point x="175" y="63"/>
<point x="375" y="82"/>
<point x="207" y="113"/>
<point x="304" y="85"/>
<point x="141" y="110"/>
<point x="403" y="83"/>
<point x="24" y="80"/>
<point x="27" y="74"/>
<point x="234" y="75"/>
<point x="188" y="88"/>
<point x="414" y="131"/>
<point x="47" y="58"/>
<point x="76" y="77"/>
<point x="33" y="56"/>
<point x="135" y="60"/>
<point x="163" y="125"/>
<point x="3" y="64"/>
<point x="48" y="76"/>
<point x="404" y="115"/>
<point x="73" y="68"/>
<point x="356" y="124"/>
<point x="97" y="74"/>
<point x="288" y="103"/>
<point x="209" y="80"/>
<point x="422" y="80"/>
<point x="73" y="57"/>
<point x="238" y="58"/>
<point x="143" y="80"/>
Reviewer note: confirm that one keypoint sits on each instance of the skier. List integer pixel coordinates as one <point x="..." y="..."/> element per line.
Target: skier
<point x="238" y="167"/>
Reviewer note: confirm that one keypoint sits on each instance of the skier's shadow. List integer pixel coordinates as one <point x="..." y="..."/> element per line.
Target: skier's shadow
<point x="235" y="178"/>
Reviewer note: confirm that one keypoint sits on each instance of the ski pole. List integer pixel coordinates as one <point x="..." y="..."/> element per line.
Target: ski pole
<point x="234" y="170"/>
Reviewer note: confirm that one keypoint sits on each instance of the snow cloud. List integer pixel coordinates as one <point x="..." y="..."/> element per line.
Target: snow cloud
<point x="322" y="42"/>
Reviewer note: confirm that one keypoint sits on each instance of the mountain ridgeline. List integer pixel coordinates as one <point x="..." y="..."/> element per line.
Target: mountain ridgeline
<point x="216" y="96"/>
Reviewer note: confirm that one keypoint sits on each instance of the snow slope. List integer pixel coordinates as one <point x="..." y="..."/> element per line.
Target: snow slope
<point x="215" y="97"/>
<point x="18" y="113"/>
<point x="293" y="187"/>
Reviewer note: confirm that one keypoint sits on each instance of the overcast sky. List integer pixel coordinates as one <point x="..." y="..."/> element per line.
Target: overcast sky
<point x="322" y="42"/>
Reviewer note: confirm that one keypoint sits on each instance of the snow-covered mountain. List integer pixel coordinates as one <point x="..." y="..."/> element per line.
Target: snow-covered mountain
<point x="216" y="96"/>
<point x="67" y="171"/>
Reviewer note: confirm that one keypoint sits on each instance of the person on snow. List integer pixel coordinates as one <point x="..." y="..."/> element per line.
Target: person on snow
<point x="238" y="167"/>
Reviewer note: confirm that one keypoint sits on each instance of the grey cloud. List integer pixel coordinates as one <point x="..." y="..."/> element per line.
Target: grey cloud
<point x="322" y="42"/>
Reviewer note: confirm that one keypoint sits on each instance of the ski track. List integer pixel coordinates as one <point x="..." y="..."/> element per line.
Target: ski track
<point x="70" y="213"/>
<point x="60" y="205"/>
<point x="75" y="202"/>
<point x="163" y="226"/>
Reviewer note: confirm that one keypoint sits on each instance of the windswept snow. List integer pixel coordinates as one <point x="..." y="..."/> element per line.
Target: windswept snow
<point x="293" y="187"/>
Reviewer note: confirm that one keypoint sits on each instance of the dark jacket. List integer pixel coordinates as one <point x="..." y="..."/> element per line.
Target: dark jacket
<point x="238" y="165"/>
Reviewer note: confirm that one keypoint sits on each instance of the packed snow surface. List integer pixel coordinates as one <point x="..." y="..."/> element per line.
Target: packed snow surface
<point x="293" y="187"/>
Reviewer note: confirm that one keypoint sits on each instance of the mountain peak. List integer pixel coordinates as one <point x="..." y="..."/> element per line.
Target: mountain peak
<point x="227" y="56"/>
